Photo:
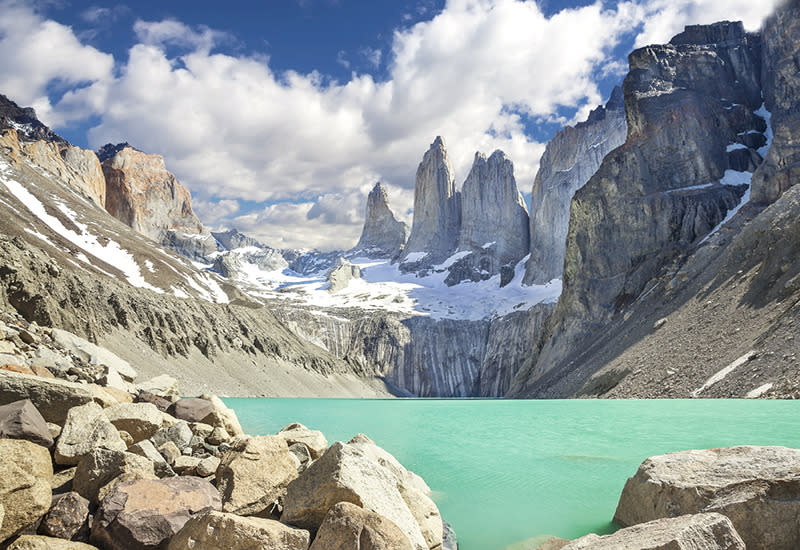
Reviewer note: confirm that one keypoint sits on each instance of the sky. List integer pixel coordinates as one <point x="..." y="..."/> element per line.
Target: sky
<point x="281" y="115"/>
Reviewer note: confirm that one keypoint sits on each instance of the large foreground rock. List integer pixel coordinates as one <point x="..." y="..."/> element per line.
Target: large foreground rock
<point x="232" y="532"/>
<point x="146" y="513"/>
<point x="85" y="429"/>
<point x="349" y="527"/>
<point x="25" y="474"/>
<point x="53" y="398"/>
<point x="140" y="420"/>
<point x="21" y="420"/>
<point x="691" y="532"/>
<point x="758" y="488"/>
<point x="37" y="542"/>
<point x="346" y="474"/>
<point x="254" y="475"/>
<point x="101" y="466"/>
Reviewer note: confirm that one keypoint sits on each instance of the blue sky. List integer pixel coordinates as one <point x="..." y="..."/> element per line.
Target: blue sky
<point x="280" y="116"/>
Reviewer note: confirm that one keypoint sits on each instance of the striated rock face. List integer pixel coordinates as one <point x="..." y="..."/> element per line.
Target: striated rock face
<point x="755" y="487"/>
<point x="383" y="235"/>
<point x="494" y="219"/>
<point x="144" y="195"/>
<point x="688" y="105"/>
<point x="437" y="210"/>
<point x="570" y="159"/>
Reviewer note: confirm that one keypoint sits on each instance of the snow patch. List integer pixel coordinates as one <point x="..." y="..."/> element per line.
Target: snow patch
<point x="733" y="178"/>
<point x="767" y="116"/>
<point x="489" y="245"/>
<point x="724" y="372"/>
<point x="414" y="257"/>
<point x="735" y="146"/>
<point x="452" y="259"/>
<point x="150" y="266"/>
<point x="110" y="253"/>
<point x="759" y="391"/>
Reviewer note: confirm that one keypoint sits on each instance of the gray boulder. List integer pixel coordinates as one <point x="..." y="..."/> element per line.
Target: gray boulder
<point x="92" y="353"/>
<point x="346" y="474"/>
<point x="383" y="235"/>
<point x="53" y="398"/>
<point x="347" y="526"/>
<point x="145" y="514"/>
<point x="437" y="211"/>
<point x="21" y="420"/>
<point x="179" y="433"/>
<point x="148" y="450"/>
<point x="690" y="532"/>
<point x="101" y="466"/>
<point x="232" y="532"/>
<point x="313" y="440"/>
<point x="25" y="494"/>
<point x="758" y="488"/>
<point x="85" y="429"/>
<point x="254" y="474"/>
<point x="140" y="420"/>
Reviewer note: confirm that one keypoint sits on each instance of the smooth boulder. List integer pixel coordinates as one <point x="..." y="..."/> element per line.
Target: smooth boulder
<point x="346" y="474"/>
<point x="86" y="428"/>
<point x="140" y="420"/>
<point x="254" y="475"/>
<point x="25" y="494"/>
<point x="145" y="514"/>
<point x="191" y="409"/>
<point x="314" y="441"/>
<point x="690" y="532"/>
<point x="53" y="398"/>
<point x="21" y="420"/>
<point x="232" y="532"/>
<point x="349" y="527"/>
<point x="758" y="488"/>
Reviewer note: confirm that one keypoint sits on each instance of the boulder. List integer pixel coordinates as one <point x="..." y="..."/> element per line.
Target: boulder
<point x="38" y="542"/>
<point x="758" y="488"/>
<point x="160" y="402"/>
<point x="62" y="481"/>
<point x="218" y="435"/>
<point x="145" y="514"/>
<point x="192" y="409"/>
<point x="161" y="386"/>
<point x="21" y="420"/>
<point x="44" y="372"/>
<point x="121" y="396"/>
<point x="347" y="526"/>
<point x="85" y="429"/>
<point x="425" y="512"/>
<point x="170" y="452"/>
<point x="201" y="430"/>
<point x="207" y="466"/>
<point x="312" y="439"/>
<point x="384" y="459"/>
<point x="302" y="454"/>
<point x="148" y="450"/>
<point x="346" y="474"/>
<point x="52" y="397"/>
<point x="179" y="433"/>
<point x="67" y="516"/>
<point x="254" y="475"/>
<point x="232" y="532"/>
<point x="25" y="474"/>
<point x="20" y="369"/>
<point x="141" y="420"/>
<point x="100" y="466"/>
<point x="186" y="465"/>
<point x="93" y="354"/>
<point x="222" y="416"/>
<point x="690" y="532"/>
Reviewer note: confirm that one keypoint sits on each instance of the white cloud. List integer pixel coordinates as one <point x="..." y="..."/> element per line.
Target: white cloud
<point x="36" y="53"/>
<point x="231" y="128"/>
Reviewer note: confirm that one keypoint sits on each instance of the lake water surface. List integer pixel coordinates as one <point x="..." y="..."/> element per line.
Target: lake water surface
<point x="505" y="471"/>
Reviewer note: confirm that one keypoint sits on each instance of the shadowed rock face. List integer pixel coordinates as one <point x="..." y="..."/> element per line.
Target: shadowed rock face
<point x="571" y="158"/>
<point x="437" y="208"/>
<point x="658" y="194"/>
<point x="144" y="195"/>
<point x="383" y="235"/>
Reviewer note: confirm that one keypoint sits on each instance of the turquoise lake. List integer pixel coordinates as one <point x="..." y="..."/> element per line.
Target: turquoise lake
<point x="507" y="471"/>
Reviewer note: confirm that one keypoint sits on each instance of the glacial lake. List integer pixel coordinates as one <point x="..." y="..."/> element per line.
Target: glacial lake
<point x="506" y="471"/>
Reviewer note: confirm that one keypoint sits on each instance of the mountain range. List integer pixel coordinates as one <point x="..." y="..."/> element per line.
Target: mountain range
<point x="657" y="257"/>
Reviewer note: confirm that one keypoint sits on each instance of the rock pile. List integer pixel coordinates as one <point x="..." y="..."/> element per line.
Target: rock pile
<point x="85" y="465"/>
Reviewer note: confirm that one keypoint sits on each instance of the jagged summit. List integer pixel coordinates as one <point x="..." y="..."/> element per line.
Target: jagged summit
<point x="25" y="122"/>
<point x="383" y="235"/>
<point x="437" y="209"/>
<point x="233" y="238"/>
<point x="108" y="150"/>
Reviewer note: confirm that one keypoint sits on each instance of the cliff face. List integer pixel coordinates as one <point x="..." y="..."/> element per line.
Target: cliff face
<point x="690" y="109"/>
<point x="570" y="159"/>
<point x="383" y="235"/>
<point x="142" y="194"/>
<point x="437" y="210"/>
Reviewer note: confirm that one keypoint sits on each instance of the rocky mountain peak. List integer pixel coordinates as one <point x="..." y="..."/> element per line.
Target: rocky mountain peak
<point x="108" y="150"/>
<point x="722" y="32"/>
<point x="141" y="193"/>
<point x="233" y="238"/>
<point x="494" y="218"/>
<point x="383" y="234"/>
<point x="26" y="123"/>
<point x="437" y="209"/>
